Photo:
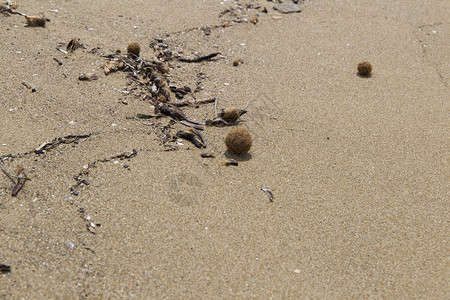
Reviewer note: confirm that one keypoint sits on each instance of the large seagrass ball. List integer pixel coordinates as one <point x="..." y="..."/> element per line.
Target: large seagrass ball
<point x="238" y="141"/>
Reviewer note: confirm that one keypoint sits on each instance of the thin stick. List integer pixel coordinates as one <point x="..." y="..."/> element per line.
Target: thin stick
<point x="200" y="58"/>
<point x="11" y="177"/>
<point x="193" y="102"/>
<point x="29" y="86"/>
<point x="215" y="107"/>
<point x="19" y="185"/>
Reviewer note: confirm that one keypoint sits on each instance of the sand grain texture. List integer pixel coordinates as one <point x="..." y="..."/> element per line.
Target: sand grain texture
<point x="358" y="166"/>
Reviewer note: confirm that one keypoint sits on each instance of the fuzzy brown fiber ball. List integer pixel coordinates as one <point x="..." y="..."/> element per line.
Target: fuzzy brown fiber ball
<point x="364" y="68"/>
<point x="238" y="141"/>
<point x="134" y="48"/>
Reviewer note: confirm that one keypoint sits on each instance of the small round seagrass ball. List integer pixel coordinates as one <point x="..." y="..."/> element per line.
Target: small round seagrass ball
<point x="238" y="141"/>
<point x="134" y="48"/>
<point x="364" y="68"/>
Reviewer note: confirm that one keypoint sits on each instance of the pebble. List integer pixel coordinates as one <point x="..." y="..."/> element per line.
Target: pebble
<point x="179" y="95"/>
<point x="287" y="7"/>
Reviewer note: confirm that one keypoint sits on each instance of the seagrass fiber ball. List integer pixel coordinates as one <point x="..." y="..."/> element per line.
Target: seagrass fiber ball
<point x="364" y="68"/>
<point x="134" y="48"/>
<point x="238" y="141"/>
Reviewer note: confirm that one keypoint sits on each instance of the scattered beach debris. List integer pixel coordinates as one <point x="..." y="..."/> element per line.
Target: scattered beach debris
<point x="58" y="61"/>
<point x="112" y="66"/>
<point x="29" y="86"/>
<point x="208" y="155"/>
<point x="364" y="68"/>
<point x="238" y="141"/>
<point x="73" y="45"/>
<point x="229" y="162"/>
<point x="88" y="77"/>
<point x="81" y="176"/>
<point x="194" y="137"/>
<point x="60" y="140"/>
<point x="5" y="268"/>
<point x="287" y="7"/>
<point x="268" y="192"/>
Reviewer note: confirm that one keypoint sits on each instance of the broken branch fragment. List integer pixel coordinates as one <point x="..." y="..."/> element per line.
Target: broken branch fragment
<point x="22" y="177"/>
<point x="193" y="102"/>
<point x="29" y="86"/>
<point x="200" y="58"/>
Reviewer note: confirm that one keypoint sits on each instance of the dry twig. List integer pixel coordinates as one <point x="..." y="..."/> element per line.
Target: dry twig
<point x="193" y="102"/>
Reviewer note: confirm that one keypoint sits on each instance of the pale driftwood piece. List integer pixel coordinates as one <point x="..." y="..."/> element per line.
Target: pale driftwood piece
<point x="186" y="123"/>
<point x="193" y="102"/>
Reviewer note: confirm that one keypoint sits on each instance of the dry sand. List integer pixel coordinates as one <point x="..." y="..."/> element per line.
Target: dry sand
<point x="358" y="166"/>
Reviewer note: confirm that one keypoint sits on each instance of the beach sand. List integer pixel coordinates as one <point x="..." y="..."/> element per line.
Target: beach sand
<point x="358" y="166"/>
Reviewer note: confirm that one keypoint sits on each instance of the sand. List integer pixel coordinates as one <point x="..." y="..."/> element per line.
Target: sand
<point x="358" y="166"/>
